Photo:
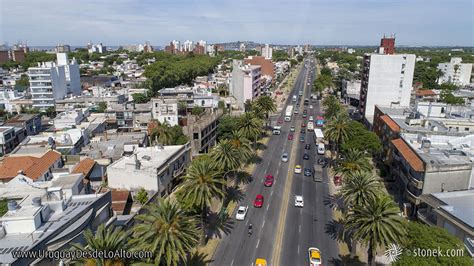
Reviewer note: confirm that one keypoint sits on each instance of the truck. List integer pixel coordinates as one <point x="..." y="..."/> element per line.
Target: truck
<point x="318" y="136"/>
<point x="288" y="113"/>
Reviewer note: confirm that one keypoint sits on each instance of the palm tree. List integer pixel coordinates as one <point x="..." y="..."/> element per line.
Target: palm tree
<point x="359" y="188"/>
<point x="338" y="130"/>
<point x="332" y="107"/>
<point x="376" y="224"/>
<point x="110" y="239"/>
<point x="249" y="126"/>
<point x="242" y="144"/>
<point x="160" y="132"/>
<point x="226" y="156"/>
<point x="266" y="104"/>
<point x="167" y="231"/>
<point x="201" y="184"/>
<point x="354" y="160"/>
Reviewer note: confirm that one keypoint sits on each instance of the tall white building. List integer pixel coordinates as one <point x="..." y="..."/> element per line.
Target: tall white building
<point x="187" y="46"/>
<point x="455" y="72"/>
<point x="47" y="84"/>
<point x="203" y="44"/>
<point x="267" y="51"/>
<point x="72" y="73"/>
<point x="96" y="48"/>
<point x="246" y="82"/>
<point x="386" y="80"/>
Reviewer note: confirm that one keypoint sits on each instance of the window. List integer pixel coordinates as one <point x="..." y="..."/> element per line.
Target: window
<point x="196" y="136"/>
<point x="466" y="129"/>
<point x="203" y="102"/>
<point x="442" y="111"/>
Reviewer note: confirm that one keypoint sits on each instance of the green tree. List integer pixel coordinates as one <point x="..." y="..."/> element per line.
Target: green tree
<point x="202" y="183"/>
<point x="177" y="135"/>
<point x="338" y="130"/>
<point x="198" y="110"/>
<point x="353" y="160"/>
<point x="376" y="224"/>
<point x="23" y="81"/>
<point x="166" y="230"/>
<point x="332" y="107"/>
<point x="447" y="95"/>
<point x="104" y="239"/>
<point x="240" y="142"/>
<point x="50" y="112"/>
<point x="101" y="107"/>
<point x="358" y="188"/>
<point x="362" y="139"/>
<point x="266" y="104"/>
<point x="421" y="236"/>
<point x="140" y="98"/>
<point x="227" y="124"/>
<point x="142" y="196"/>
<point x="249" y="126"/>
<point x="160" y="133"/>
<point x="226" y="156"/>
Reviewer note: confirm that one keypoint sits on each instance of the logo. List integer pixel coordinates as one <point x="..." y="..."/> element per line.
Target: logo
<point x="393" y="252"/>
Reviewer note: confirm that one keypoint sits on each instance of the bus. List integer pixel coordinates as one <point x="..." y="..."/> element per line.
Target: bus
<point x="310" y="126"/>
<point x="288" y="113"/>
<point x="319" y="121"/>
<point x="318" y="136"/>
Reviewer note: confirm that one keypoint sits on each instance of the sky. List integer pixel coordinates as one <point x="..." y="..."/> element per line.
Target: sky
<point x="318" y="22"/>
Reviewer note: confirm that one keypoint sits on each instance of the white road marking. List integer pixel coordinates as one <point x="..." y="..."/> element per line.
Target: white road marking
<point x="271" y="193"/>
<point x="268" y="206"/>
<point x="301" y="210"/>
<point x="299" y="230"/>
<point x="246" y="223"/>
<point x="232" y="263"/>
<point x="298" y="249"/>
<point x="258" y="242"/>
<point x="263" y="223"/>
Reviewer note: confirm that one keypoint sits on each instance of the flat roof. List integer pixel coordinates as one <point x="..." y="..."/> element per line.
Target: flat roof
<point x="459" y="204"/>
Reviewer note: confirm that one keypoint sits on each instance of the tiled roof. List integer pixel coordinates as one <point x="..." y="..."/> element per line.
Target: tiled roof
<point x="32" y="167"/>
<point x="425" y="93"/>
<point x="119" y="200"/>
<point x="84" y="166"/>
<point x="409" y="155"/>
<point x="390" y="123"/>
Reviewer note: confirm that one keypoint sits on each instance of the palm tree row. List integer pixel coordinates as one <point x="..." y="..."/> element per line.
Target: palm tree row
<point x="172" y="229"/>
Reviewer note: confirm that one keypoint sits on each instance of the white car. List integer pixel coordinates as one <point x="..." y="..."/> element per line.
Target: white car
<point x="310" y="107"/>
<point x="292" y="128"/>
<point x="299" y="201"/>
<point x="311" y="118"/>
<point x="241" y="213"/>
<point x="284" y="157"/>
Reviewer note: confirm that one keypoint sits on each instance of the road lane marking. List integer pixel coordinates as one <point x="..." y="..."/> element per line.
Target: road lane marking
<point x="298" y="249"/>
<point x="268" y="206"/>
<point x="263" y="224"/>
<point x="232" y="263"/>
<point x="286" y="198"/>
<point x="258" y="242"/>
<point x="299" y="229"/>
<point x="271" y="194"/>
<point x="246" y="223"/>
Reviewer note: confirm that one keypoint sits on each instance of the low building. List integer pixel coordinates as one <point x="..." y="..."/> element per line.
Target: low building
<point x="70" y="118"/>
<point x="426" y="164"/>
<point x="165" y="110"/>
<point x="35" y="168"/>
<point x="202" y="131"/>
<point x="31" y="123"/>
<point x="155" y="168"/>
<point x="452" y="211"/>
<point x="129" y="117"/>
<point x="7" y="139"/>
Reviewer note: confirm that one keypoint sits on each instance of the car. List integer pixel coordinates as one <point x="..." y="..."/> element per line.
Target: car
<point x="296" y="111"/>
<point x="303" y="131"/>
<point x="290" y="136"/>
<point x="241" y="213"/>
<point x="311" y="118"/>
<point x="303" y="124"/>
<point x="284" y="157"/>
<point x="307" y="147"/>
<point x="305" y="111"/>
<point x="323" y="161"/>
<point x="299" y="201"/>
<point x="298" y="169"/>
<point x="292" y="129"/>
<point x="302" y="138"/>
<point x="305" y="115"/>
<point x="308" y="172"/>
<point x="305" y="156"/>
<point x="258" y="202"/>
<point x="261" y="262"/>
<point x="268" y="181"/>
<point x="318" y="177"/>
<point x="314" y="256"/>
<point x="311" y="107"/>
<point x="280" y="120"/>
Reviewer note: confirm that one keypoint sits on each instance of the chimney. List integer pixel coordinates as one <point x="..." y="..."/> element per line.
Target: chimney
<point x="137" y="162"/>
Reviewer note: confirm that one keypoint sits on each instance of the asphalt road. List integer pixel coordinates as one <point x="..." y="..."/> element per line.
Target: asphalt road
<point x="278" y="225"/>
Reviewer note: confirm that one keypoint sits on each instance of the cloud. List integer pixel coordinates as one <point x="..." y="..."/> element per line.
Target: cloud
<point x="416" y="22"/>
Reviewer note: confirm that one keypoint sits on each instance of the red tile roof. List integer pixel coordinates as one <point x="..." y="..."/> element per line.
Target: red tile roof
<point x="120" y="200"/>
<point x="425" y="93"/>
<point x="409" y="155"/>
<point x="32" y="167"/>
<point x="390" y="123"/>
<point x="84" y="166"/>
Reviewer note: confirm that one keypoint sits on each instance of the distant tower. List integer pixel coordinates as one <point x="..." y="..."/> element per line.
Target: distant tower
<point x="388" y="45"/>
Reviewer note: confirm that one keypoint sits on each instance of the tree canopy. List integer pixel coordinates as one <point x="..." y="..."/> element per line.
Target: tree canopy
<point x="362" y="139"/>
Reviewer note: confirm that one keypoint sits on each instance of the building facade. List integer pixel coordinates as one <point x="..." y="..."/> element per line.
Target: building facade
<point x="47" y="84"/>
<point x="455" y="72"/>
<point x="165" y="111"/>
<point x="246" y="82"/>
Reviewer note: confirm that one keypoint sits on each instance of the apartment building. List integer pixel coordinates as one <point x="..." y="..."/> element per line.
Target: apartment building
<point x="455" y="72"/>
<point x="386" y="80"/>
<point x="47" y="84"/>
<point x="31" y="123"/>
<point x="202" y="130"/>
<point x="72" y="73"/>
<point x="267" y="52"/>
<point x="165" y="110"/>
<point x="267" y="66"/>
<point x="246" y="82"/>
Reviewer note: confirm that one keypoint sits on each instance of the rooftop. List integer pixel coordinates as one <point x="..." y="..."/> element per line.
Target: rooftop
<point x="390" y="123"/>
<point x="410" y="156"/>
<point x="30" y="166"/>
<point x="84" y="166"/>
<point x="458" y="204"/>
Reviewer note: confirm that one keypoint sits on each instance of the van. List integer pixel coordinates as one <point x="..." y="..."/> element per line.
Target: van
<point x="321" y="148"/>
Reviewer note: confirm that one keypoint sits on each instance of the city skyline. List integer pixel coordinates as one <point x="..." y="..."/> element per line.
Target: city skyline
<point x="341" y="22"/>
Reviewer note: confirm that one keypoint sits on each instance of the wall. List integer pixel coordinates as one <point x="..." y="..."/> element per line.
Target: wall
<point x="453" y="180"/>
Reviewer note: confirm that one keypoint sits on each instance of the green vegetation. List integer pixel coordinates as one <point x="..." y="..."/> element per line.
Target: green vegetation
<point x="227" y="125"/>
<point x="353" y="161"/>
<point x="165" y="134"/>
<point x="362" y="139"/>
<point x="141" y="196"/>
<point x="3" y="206"/>
<point x="426" y="237"/>
<point x="447" y="96"/>
<point x="279" y="55"/>
<point x="23" y="81"/>
<point x="198" y="110"/>
<point x="140" y="98"/>
<point x="101" y="107"/>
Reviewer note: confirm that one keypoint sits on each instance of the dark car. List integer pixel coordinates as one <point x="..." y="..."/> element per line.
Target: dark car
<point x="305" y="156"/>
<point x="302" y="138"/>
<point x="305" y="111"/>
<point x="305" y="115"/>
<point x="308" y="172"/>
<point x="303" y="131"/>
<point x="323" y="162"/>
<point x="303" y="124"/>
<point x="307" y="147"/>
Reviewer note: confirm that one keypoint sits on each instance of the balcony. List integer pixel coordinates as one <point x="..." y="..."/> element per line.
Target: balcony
<point x="414" y="199"/>
<point x="424" y="216"/>
<point x="415" y="182"/>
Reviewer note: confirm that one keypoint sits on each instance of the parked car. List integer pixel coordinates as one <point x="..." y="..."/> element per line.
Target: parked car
<point x="241" y="213"/>
<point x="290" y="136"/>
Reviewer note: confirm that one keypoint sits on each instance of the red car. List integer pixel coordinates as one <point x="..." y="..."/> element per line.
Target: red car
<point x="258" y="202"/>
<point x="280" y="120"/>
<point x="303" y="125"/>
<point x="268" y="181"/>
<point x="290" y="136"/>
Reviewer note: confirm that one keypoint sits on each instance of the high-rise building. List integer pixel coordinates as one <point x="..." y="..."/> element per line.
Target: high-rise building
<point x="267" y="52"/>
<point x="267" y="66"/>
<point x="63" y="48"/>
<point x="242" y="47"/>
<point x="203" y="44"/>
<point x="246" y="82"/>
<point x="187" y="46"/>
<point x="387" y="45"/>
<point x="455" y="72"/>
<point x="96" y="48"/>
<point x="47" y="84"/>
<point x="72" y="73"/>
<point x="4" y="56"/>
<point x="386" y="80"/>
